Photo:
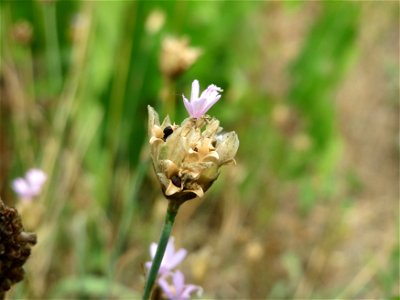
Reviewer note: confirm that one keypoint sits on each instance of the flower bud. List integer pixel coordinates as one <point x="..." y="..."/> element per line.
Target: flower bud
<point x="177" y="56"/>
<point x="187" y="157"/>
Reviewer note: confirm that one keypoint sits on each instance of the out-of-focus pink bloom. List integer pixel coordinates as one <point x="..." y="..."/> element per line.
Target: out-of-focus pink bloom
<point x="198" y="106"/>
<point x="30" y="185"/>
<point x="171" y="257"/>
<point x="178" y="290"/>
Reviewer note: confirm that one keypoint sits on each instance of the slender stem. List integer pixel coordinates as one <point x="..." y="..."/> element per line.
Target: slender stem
<point x="162" y="245"/>
<point x="52" y="46"/>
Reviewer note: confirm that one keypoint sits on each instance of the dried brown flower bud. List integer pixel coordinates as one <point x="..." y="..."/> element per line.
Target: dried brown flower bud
<point x="187" y="157"/>
<point x="155" y="21"/>
<point x="15" y="247"/>
<point x="22" y="32"/>
<point x="176" y="56"/>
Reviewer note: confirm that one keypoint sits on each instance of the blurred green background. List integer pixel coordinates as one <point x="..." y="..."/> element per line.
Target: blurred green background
<point x="310" y="211"/>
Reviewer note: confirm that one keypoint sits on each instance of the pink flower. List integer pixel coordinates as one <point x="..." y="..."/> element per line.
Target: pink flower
<point x="198" y="106"/>
<point x="171" y="257"/>
<point x="31" y="185"/>
<point x="178" y="290"/>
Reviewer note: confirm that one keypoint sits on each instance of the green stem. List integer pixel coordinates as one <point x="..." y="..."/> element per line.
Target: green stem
<point x="52" y="46"/>
<point x="162" y="245"/>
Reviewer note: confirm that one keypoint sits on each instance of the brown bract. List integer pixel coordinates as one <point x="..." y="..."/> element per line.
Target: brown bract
<point x="187" y="157"/>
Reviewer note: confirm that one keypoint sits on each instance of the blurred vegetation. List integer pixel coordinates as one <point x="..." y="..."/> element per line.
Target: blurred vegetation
<point x="76" y="79"/>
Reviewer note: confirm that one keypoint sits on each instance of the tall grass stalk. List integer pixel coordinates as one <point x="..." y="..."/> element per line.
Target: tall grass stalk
<point x="52" y="47"/>
<point x="118" y="91"/>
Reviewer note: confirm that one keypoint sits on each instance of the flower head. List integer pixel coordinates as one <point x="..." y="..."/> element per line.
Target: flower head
<point x="187" y="157"/>
<point x="177" y="56"/>
<point x="15" y="245"/>
<point x="171" y="257"/>
<point x="178" y="290"/>
<point x="30" y="185"/>
<point x="198" y="106"/>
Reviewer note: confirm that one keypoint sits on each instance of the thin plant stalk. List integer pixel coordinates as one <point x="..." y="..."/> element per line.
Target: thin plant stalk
<point x="52" y="46"/>
<point x="162" y="245"/>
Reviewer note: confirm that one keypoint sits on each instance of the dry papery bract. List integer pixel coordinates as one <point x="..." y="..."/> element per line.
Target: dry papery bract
<point x="187" y="157"/>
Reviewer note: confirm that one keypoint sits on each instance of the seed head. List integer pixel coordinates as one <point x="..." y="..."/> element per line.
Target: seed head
<point x="15" y="247"/>
<point x="187" y="157"/>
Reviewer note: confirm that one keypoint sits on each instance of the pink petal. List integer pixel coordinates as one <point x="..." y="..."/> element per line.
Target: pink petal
<point x="148" y="265"/>
<point x="211" y="91"/>
<point x="210" y="103"/>
<point x="22" y="188"/>
<point x="195" y="90"/>
<point x="165" y="288"/>
<point x="177" y="258"/>
<point x="207" y="92"/>
<point x="171" y="258"/>
<point x="169" y="251"/>
<point x="36" y="177"/>
<point x="198" y="107"/>
<point x="179" y="282"/>
<point x="187" y="105"/>
<point x="189" y="289"/>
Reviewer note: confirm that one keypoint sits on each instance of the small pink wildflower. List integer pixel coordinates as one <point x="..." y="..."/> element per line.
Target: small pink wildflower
<point x="178" y="290"/>
<point x="29" y="186"/>
<point x="198" y="106"/>
<point x="171" y="257"/>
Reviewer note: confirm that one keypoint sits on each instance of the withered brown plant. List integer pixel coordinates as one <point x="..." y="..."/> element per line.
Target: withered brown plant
<point x="15" y="248"/>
